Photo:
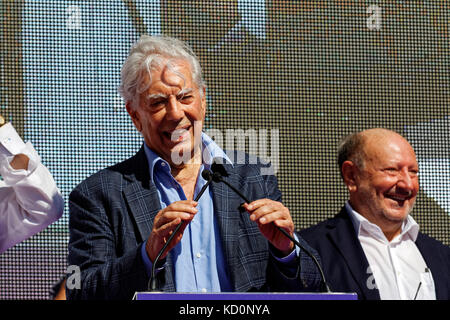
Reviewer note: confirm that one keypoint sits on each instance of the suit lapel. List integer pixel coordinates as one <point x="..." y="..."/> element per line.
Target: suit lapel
<point x="434" y="264"/>
<point x="226" y="209"/>
<point x="228" y="225"/>
<point x="144" y="205"/>
<point x="141" y="195"/>
<point x="342" y="234"/>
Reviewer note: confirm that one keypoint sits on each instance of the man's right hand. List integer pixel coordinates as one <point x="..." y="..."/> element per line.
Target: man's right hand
<point x="164" y="224"/>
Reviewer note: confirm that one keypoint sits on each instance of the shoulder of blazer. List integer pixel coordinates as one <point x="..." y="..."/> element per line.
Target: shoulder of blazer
<point x="316" y="231"/>
<point x="129" y="177"/>
<point x="244" y="163"/>
<point x="134" y="168"/>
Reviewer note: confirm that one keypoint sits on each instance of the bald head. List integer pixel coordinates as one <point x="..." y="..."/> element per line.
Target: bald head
<point x="355" y="146"/>
<point x="377" y="135"/>
<point x="380" y="170"/>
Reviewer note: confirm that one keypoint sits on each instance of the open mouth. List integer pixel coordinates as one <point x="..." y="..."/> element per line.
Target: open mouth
<point x="178" y="134"/>
<point x="399" y="200"/>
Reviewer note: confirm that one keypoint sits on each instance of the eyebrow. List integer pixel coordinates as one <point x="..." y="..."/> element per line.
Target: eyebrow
<point x="156" y="96"/>
<point x="184" y="91"/>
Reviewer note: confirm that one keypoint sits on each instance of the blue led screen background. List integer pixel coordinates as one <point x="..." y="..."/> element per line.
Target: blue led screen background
<point x="310" y="71"/>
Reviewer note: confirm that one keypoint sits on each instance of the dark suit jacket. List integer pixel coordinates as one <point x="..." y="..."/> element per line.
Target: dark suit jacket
<point x="345" y="264"/>
<point x="112" y="212"/>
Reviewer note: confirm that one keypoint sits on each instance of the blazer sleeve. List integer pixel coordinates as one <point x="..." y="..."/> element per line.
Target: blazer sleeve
<point x="306" y="276"/>
<point x="105" y="272"/>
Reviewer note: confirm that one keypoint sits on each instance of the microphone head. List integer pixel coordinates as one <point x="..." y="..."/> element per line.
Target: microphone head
<point x="218" y="168"/>
<point x="217" y="177"/>
<point x="207" y="175"/>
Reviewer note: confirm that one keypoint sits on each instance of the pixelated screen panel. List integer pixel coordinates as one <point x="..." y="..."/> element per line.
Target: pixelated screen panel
<point x="292" y="77"/>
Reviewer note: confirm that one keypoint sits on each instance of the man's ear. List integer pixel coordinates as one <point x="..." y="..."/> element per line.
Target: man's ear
<point x="204" y="102"/>
<point x="349" y="173"/>
<point x="134" y="115"/>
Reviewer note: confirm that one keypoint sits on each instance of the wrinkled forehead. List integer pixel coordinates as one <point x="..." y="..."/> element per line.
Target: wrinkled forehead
<point x="170" y="71"/>
<point x="157" y="69"/>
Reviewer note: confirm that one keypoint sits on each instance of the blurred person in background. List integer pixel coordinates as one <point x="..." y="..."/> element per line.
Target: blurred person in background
<point x="30" y="199"/>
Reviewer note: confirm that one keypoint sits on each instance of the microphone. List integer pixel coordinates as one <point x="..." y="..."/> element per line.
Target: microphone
<point x="208" y="176"/>
<point x="219" y="172"/>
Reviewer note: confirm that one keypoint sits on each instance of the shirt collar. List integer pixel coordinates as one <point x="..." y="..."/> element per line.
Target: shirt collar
<point x="409" y="226"/>
<point x="210" y="151"/>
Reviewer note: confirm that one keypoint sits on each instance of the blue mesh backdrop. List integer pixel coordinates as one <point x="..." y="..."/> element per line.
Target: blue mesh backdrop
<point x="291" y="77"/>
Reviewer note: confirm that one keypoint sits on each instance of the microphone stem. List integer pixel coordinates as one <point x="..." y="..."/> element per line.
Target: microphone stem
<point x="152" y="284"/>
<point x="284" y="232"/>
<point x="326" y="287"/>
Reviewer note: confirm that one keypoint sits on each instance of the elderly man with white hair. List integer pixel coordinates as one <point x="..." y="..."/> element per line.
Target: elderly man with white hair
<point x="122" y="217"/>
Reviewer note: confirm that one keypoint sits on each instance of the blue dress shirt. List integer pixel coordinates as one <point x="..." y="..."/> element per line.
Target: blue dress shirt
<point x="199" y="262"/>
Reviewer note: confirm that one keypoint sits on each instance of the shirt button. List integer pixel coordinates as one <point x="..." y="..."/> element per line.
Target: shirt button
<point x="204" y="290"/>
<point x="198" y="255"/>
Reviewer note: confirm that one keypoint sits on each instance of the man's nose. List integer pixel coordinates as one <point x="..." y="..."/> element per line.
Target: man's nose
<point x="174" y="110"/>
<point x="407" y="182"/>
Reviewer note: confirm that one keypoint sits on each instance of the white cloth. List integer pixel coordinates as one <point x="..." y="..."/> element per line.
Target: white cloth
<point x="399" y="270"/>
<point x="29" y="199"/>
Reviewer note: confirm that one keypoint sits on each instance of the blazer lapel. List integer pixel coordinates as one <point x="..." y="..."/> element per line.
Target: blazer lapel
<point x="142" y="198"/>
<point x="228" y="225"/>
<point x="141" y="195"/>
<point x="342" y="233"/>
<point x="436" y="266"/>
<point x="226" y="209"/>
<point x="144" y="205"/>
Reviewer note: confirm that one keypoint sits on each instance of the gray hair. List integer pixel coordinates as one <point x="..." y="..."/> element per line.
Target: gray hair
<point x="149" y="52"/>
<point x="351" y="148"/>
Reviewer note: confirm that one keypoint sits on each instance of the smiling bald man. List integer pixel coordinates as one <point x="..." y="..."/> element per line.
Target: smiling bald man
<point x="373" y="246"/>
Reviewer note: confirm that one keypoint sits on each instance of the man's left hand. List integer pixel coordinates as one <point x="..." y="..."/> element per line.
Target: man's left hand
<point x="268" y="214"/>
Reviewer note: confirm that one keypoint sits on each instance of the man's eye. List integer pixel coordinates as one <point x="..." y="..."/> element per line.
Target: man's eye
<point x="156" y="103"/>
<point x="185" y="98"/>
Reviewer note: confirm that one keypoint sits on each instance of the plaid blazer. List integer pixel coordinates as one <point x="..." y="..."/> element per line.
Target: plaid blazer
<point x="112" y="212"/>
